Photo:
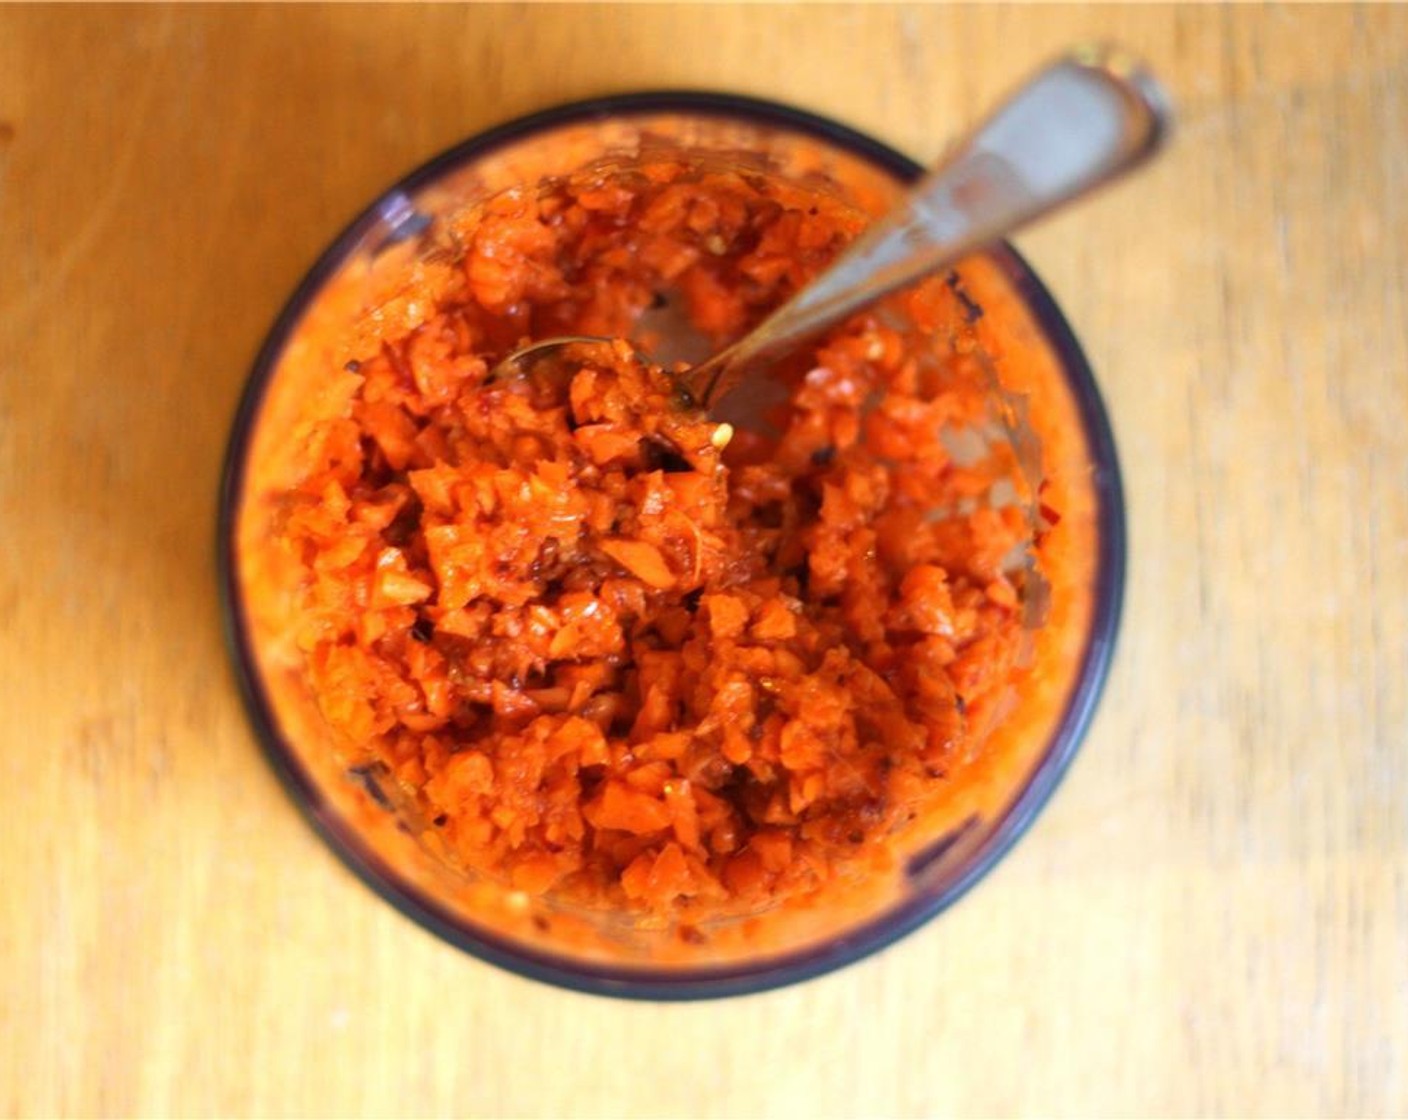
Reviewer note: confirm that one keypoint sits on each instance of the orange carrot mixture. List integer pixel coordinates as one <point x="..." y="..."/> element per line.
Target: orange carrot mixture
<point x="608" y="647"/>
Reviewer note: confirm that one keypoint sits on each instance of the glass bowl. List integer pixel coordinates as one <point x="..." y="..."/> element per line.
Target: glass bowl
<point x="943" y="854"/>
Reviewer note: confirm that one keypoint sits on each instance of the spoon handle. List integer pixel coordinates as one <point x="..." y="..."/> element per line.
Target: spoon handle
<point x="1088" y="118"/>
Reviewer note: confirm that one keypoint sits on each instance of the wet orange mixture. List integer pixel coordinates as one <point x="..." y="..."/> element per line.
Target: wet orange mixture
<point x="604" y="647"/>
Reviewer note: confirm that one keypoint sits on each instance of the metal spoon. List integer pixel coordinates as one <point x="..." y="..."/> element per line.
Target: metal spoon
<point x="1083" y="121"/>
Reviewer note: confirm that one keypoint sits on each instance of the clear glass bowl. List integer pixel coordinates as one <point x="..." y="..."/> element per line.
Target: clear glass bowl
<point x="941" y="855"/>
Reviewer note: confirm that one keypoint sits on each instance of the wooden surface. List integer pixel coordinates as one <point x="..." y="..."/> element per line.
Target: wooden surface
<point x="1211" y="917"/>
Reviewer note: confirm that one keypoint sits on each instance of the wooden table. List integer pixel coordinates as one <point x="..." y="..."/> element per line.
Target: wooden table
<point x="1211" y="917"/>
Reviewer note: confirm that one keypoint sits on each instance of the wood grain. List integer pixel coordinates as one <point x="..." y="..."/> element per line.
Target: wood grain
<point x="1211" y="917"/>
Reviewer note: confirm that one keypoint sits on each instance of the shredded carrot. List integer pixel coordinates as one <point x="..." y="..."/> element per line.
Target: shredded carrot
<point x="619" y="652"/>
<point x="642" y="559"/>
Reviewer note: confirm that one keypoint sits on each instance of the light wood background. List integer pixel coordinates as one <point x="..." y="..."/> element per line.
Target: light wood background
<point x="1211" y="917"/>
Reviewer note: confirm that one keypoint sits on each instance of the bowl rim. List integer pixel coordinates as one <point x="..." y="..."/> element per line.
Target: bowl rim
<point x="705" y="982"/>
